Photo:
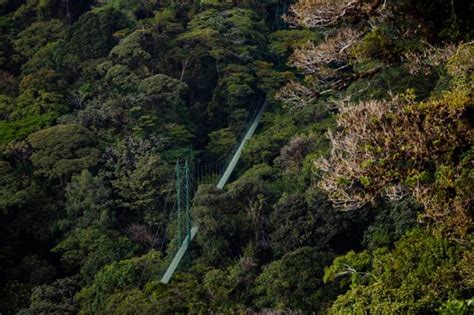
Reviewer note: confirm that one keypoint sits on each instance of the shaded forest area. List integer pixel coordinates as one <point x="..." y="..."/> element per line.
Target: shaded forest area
<point x="354" y="197"/>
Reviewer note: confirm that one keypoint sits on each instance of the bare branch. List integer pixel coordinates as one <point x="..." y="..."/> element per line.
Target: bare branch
<point x="295" y="95"/>
<point x="322" y="13"/>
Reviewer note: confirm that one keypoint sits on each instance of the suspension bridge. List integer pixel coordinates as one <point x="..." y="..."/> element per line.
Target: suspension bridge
<point x="189" y="175"/>
<point x="219" y="172"/>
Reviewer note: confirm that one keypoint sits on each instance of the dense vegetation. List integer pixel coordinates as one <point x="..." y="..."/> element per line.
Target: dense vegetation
<point x="355" y="196"/>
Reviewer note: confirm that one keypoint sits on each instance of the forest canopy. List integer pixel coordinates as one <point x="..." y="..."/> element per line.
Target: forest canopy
<point x="354" y="196"/>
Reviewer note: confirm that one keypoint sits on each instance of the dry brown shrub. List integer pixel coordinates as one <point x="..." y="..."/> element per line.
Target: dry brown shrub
<point x="351" y="150"/>
<point x="293" y="154"/>
<point x="322" y="13"/>
<point x="388" y="148"/>
<point x="295" y="95"/>
<point x="327" y="13"/>
<point x="423" y="62"/>
<point x="311" y="58"/>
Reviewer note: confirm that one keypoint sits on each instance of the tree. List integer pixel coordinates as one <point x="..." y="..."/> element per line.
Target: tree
<point x="234" y="38"/>
<point x="230" y="289"/>
<point x="293" y="154"/>
<point x="115" y="281"/>
<point x="391" y="222"/>
<point x="294" y="282"/>
<point x="391" y="285"/>
<point x="88" y="202"/>
<point x="452" y="307"/>
<point x="142" y="189"/>
<point x="133" y="50"/>
<point x="62" y="150"/>
<point x="372" y="145"/>
<point x="163" y="95"/>
<point x="266" y="146"/>
<point x="283" y="42"/>
<point x="223" y="230"/>
<point x="183" y="295"/>
<point x="254" y="194"/>
<point x="29" y="112"/>
<point x="291" y="223"/>
<point x="120" y="78"/>
<point x="56" y="298"/>
<point x="220" y="142"/>
<point x="330" y="13"/>
<point x="13" y="192"/>
<point x="88" y="250"/>
<point x="92" y="35"/>
<point x="37" y="35"/>
<point x="140" y="180"/>
<point x="132" y="301"/>
<point x="308" y="219"/>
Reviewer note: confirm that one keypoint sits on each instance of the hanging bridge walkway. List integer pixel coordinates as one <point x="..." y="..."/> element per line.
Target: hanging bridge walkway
<point x="221" y="170"/>
<point x="218" y="172"/>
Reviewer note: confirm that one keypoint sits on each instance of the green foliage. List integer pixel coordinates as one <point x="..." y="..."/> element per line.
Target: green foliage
<point x="239" y="28"/>
<point x="37" y="35"/>
<point x="270" y="80"/>
<point x="88" y="250"/>
<point x="293" y="224"/>
<point x="120" y="77"/>
<point x="294" y="282"/>
<point x="459" y="66"/>
<point x="221" y="225"/>
<point x="129" y="302"/>
<point x="99" y="98"/>
<point x="266" y="146"/>
<point x="139" y="8"/>
<point x="230" y="289"/>
<point x="87" y="202"/>
<point x="130" y="51"/>
<point x="56" y="298"/>
<point x="38" y="101"/>
<point x="92" y="35"/>
<point x="183" y="296"/>
<point x="419" y="260"/>
<point x="61" y="8"/>
<point x="376" y="44"/>
<point x="62" y="150"/>
<point x="233" y="38"/>
<point x="220" y="141"/>
<point x="103" y="293"/>
<point x="351" y="268"/>
<point x="440" y="19"/>
<point x="298" y="222"/>
<point x="282" y="42"/>
<point x="391" y="222"/>
<point x="395" y="79"/>
<point x="14" y="192"/>
<point x="34" y="270"/>
<point x="142" y="187"/>
<point x="254" y="193"/>
<point x="307" y="218"/>
<point x="164" y="95"/>
<point x="457" y="307"/>
<point x="14" y="296"/>
<point x="31" y="111"/>
<point x="48" y="57"/>
<point x="20" y="128"/>
<point x="140" y="180"/>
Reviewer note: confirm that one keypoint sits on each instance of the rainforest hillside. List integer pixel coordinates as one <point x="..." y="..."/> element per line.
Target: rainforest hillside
<point x="355" y="196"/>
